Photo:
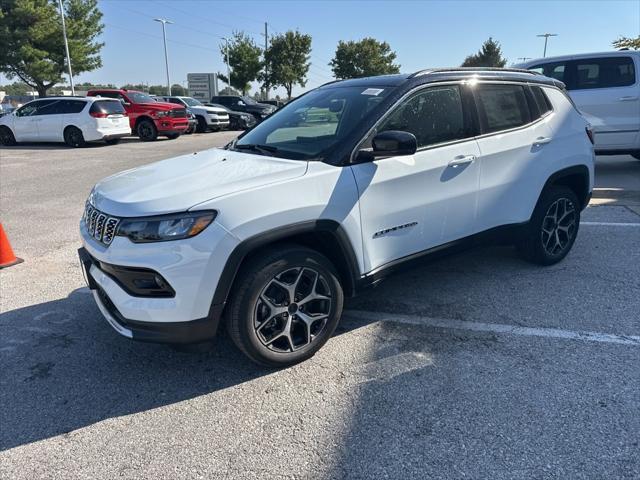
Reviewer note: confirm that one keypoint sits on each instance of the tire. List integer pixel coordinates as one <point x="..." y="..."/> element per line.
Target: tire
<point x="173" y="136"/>
<point x="263" y="319"/>
<point x="147" y="131"/>
<point x="202" y="125"/>
<point x="73" y="137"/>
<point x="113" y="141"/>
<point x="6" y="137"/>
<point x="553" y="227"/>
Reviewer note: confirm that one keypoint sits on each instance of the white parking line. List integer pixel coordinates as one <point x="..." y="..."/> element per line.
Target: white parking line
<point x="610" y="224"/>
<point x="496" y="328"/>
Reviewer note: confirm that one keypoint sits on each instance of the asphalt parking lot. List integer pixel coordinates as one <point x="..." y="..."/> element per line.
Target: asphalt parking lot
<point x="475" y="366"/>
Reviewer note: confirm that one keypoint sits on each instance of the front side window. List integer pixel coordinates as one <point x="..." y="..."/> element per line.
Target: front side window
<point x="312" y="125"/>
<point x="553" y="70"/>
<point x="604" y="73"/>
<point x="138" y="97"/>
<point x="502" y="107"/>
<point x="32" y="108"/>
<point x="434" y="115"/>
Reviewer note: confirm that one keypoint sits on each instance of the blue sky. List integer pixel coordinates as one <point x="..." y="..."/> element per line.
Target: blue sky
<point x="423" y="33"/>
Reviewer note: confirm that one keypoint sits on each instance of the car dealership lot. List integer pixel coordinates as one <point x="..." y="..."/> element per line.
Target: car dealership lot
<point x="474" y="366"/>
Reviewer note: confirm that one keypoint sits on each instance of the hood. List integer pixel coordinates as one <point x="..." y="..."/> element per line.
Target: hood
<point x="208" y="109"/>
<point x="260" y="107"/>
<point x="161" y="105"/>
<point x="179" y="183"/>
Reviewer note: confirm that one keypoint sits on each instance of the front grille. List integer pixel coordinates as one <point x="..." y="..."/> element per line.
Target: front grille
<point x="178" y="113"/>
<point x="99" y="225"/>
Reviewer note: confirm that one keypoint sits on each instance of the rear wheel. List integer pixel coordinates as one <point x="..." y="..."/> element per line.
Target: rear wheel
<point x="147" y="131"/>
<point x="202" y="125"/>
<point x="6" y="137"/>
<point x="286" y="305"/>
<point x="553" y="227"/>
<point x="73" y="137"/>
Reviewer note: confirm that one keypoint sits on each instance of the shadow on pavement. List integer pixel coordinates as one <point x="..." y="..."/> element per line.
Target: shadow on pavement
<point x="63" y="368"/>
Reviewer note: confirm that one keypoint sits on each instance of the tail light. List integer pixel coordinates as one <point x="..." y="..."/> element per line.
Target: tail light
<point x="589" y="131"/>
<point x="99" y="115"/>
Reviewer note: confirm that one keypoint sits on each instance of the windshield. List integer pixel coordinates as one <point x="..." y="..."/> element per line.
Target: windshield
<point x="192" y="102"/>
<point x="315" y="123"/>
<point x="249" y="100"/>
<point x="137" y="97"/>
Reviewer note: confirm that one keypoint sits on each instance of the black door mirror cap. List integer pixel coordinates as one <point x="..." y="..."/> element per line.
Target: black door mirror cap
<point x="393" y="143"/>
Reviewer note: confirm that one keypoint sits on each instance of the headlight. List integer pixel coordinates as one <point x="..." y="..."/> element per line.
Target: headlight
<point x="165" y="227"/>
<point x="161" y="113"/>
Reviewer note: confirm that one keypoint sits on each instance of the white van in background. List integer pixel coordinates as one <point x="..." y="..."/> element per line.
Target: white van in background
<point x="606" y="89"/>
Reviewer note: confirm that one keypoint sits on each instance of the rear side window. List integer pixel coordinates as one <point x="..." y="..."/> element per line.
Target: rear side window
<point x="107" y="107"/>
<point x="555" y="70"/>
<point x="502" y="107"/>
<point x="544" y="105"/>
<point x="434" y="115"/>
<point x="70" y="106"/>
<point x="604" y="73"/>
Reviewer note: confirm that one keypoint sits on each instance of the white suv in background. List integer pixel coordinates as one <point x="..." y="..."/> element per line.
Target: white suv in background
<point x="209" y="118"/>
<point x="73" y="120"/>
<point x="606" y="89"/>
<point x="330" y="194"/>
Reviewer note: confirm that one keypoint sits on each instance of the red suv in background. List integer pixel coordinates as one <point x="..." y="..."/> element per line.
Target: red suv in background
<point x="148" y="118"/>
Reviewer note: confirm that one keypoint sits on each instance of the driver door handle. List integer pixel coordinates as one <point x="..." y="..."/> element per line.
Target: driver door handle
<point x="542" y="140"/>
<point x="462" y="160"/>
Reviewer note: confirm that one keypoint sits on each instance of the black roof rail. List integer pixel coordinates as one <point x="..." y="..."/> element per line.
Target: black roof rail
<point x="428" y="71"/>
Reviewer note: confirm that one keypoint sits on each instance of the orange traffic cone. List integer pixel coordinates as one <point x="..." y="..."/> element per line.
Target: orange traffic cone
<point x="7" y="257"/>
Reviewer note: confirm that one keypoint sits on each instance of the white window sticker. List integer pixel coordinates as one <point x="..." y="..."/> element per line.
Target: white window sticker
<point x="373" y="91"/>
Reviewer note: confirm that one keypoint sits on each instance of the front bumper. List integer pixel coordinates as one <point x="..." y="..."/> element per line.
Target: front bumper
<point x="191" y="267"/>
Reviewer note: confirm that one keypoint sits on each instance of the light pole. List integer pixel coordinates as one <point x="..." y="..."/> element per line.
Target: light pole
<point x="66" y="47"/>
<point x="546" y="38"/>
<point x="164" y="21"/>
<point x="228" y="68"/>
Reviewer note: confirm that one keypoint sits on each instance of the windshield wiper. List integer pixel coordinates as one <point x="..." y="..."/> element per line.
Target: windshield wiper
<point x="256" y="147"/>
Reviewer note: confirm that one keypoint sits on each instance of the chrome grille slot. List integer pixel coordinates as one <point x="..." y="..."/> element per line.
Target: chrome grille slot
<point x="99" y="225"/>
<point x="97" y="234"/>
<point x="110" y="230"/>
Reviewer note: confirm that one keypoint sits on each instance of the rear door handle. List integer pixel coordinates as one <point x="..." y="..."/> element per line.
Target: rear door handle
<point x="628" y="99"/>
<point x="462" y="160"/>
<point x="542" y="140"/>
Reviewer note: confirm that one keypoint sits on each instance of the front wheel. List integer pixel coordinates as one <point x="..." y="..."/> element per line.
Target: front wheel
<point x="286" y="305"/>
<point x="553" y="227"/>
<point x="147" y="131"/>
<point x="202" y="125"/>
<point x="73" y="137"/>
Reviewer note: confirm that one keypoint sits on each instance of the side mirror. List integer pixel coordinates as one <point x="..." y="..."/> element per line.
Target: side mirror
<point x="393" y="143"/>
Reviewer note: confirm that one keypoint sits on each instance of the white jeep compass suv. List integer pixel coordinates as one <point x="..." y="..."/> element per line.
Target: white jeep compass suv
<point x="328" y="195"/>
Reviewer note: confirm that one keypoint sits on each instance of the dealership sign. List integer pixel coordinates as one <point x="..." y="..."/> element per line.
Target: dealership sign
<point x="202" y="86"/>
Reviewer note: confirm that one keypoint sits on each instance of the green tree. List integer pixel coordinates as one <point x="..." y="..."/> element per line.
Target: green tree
<point x="626" y="42"/>
<point x="489" y="55"/>
<point x="364" y="58"/>
<point x="16" y="88"/>
<point x="287" y="61"/>
<point x="141" y="87"/>
<point x="33" y="45"/>
<point x="244" y="60"/>
<point x="160" y="90"/>
<point x="179" y="90"/>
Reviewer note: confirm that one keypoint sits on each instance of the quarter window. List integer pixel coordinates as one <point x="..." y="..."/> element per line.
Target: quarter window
<point x="604" y="73"/>
<point x="434" y="115"/>
<point x="544" y="105"/>
<point x="502" y="107"/>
